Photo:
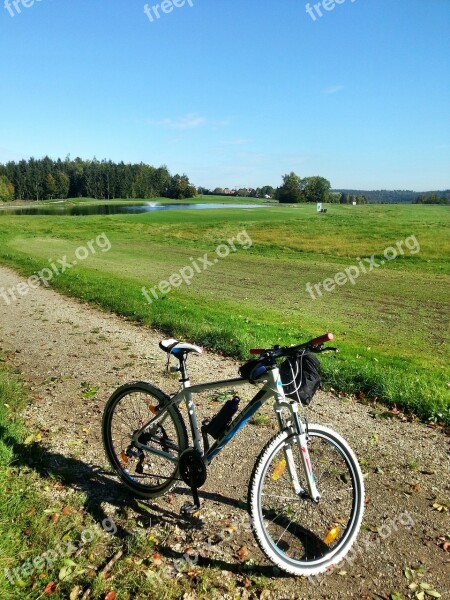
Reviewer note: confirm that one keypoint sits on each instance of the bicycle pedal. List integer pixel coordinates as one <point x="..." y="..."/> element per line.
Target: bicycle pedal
<point x="190" y="509"/>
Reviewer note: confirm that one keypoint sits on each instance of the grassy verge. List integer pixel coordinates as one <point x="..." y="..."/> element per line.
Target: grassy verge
<point x="43" y="525"/>
<point x="391" y="326"/>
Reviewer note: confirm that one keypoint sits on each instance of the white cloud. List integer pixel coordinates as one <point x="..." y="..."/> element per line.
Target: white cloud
<point x="333" y="89"/>
<point x="235" y="142"/>
<point x="189" y="121"/>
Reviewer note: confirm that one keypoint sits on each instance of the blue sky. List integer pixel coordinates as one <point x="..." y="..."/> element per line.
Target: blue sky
<point x="233" y="92"/>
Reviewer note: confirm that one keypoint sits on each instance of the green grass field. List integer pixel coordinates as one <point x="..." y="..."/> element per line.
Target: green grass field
<point x="391" y="326"/>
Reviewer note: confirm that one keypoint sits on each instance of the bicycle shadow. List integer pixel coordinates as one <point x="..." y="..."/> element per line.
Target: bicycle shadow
<point x="99" y="488"/>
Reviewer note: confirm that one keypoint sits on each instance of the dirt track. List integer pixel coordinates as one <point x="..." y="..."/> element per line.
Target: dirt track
<point x="64" y="348"/>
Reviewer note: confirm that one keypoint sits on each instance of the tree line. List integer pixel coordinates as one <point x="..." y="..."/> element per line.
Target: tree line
<point x="47" y="179"/>
<point x="433" y="199"/>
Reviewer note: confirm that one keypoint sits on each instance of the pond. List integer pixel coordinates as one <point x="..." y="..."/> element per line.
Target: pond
<point x="113" y="209"/>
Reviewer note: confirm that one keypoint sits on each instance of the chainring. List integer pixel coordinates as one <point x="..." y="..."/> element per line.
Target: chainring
<point x="192" y="468"/>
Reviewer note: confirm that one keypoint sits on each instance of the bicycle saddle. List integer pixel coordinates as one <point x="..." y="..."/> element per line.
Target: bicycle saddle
<point x="175" y="347"/>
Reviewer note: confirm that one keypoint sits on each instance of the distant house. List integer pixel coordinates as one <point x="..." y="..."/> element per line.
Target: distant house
<point x="267" y="197"/>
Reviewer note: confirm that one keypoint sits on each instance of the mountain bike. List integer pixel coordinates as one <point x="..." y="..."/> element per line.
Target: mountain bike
<point x="306" y="491"/>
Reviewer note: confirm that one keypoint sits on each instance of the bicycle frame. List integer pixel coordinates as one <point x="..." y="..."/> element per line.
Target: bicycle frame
<point x="272" y="388"/>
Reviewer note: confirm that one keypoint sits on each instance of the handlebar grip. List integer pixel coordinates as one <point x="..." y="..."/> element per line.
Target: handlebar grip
<point x="321" y="340"/>
<point x="257" y="350"/>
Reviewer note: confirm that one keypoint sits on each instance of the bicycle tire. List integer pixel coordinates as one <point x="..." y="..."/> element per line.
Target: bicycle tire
<point x="337" y="473"/>
<point x="121" y="454"/>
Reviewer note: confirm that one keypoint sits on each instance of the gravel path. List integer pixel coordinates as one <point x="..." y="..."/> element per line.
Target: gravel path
<point x="64" y="349"/>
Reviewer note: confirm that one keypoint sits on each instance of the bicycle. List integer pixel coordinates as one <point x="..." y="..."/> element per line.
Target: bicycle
<point x="306" y="491"/>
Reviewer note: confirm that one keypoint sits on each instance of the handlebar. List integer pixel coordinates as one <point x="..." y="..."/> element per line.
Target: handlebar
<point x="327" y="337"/>
<point x="314" y="345"/>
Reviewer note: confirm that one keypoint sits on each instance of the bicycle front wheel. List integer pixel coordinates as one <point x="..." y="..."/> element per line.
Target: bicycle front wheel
<point x="300" y="536"/>
<point x="148" y="474"/>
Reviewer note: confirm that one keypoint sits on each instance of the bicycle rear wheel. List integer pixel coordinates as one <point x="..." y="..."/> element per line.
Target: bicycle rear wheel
<point x="130" y="407"/>
<point x="300" y="536"/>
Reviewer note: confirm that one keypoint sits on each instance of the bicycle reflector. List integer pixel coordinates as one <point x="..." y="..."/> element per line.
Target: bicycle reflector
<point x="332" y="535"/>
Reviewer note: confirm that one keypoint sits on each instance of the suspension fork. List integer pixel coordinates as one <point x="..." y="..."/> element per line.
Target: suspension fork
<point x="300" y="433"/>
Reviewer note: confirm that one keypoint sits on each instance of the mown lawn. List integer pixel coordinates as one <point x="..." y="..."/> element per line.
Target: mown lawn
<point x="391" y="325"/>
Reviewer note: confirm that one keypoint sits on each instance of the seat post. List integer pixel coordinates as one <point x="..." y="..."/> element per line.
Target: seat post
<point x="183" y="369"/>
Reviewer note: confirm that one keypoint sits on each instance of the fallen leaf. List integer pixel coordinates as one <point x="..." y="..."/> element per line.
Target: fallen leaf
<point x="440" y="507"/>
<point x="242" y="552"/>
<point x="433" y="593"/>
<point x="192" y="573"/>
<point x="50" y="588"/>
<point x="65" y="572"/>
<point x="110" y="596"/>
<point x="425" y="586"/>
<point x="75" y="593"/>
